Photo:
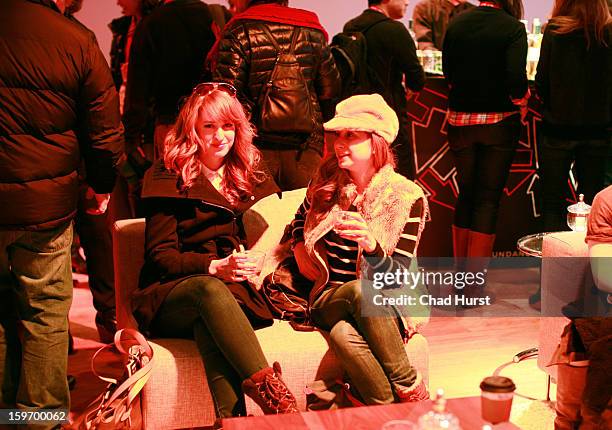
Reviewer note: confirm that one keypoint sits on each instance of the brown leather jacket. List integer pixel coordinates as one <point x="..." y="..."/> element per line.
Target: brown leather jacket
<point x="246" y="59"/>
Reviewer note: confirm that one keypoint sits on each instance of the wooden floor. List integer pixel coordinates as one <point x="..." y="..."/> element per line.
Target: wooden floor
<point x="463" y="350"/>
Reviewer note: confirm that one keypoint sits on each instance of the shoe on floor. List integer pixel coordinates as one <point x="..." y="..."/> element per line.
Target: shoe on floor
<point x="267" y="388"/>
<point x="106" y="323"/>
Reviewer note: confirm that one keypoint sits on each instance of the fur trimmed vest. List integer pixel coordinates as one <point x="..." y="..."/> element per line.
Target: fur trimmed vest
<point x="385" y="206"/>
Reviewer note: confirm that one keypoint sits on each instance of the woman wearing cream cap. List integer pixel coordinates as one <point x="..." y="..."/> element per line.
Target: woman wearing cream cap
<point x="359" y="213"/>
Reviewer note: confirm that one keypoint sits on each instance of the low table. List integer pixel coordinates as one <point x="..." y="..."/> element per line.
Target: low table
<point x="531" y="244"/>
<point x="467" y="409"/>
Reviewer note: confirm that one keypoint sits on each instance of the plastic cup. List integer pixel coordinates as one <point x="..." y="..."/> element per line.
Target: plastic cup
<point x="255" y="258"/>
<point x="340" y="218"/>
<point x="496" y="398"/>
<point x="398" y="425"/>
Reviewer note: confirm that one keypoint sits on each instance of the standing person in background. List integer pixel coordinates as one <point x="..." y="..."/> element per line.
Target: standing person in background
<point x="484" y="61"/>
<point x="123" y="29"/>
<point x="126" y="196"/>
<point x="166" y="62"/>
<point x="92" y="225"/>
<point x="574" y="82"/>
<point x="430" y="19"/>
<point x="66" y="107"/>
<point x="246" y="59"/>
<point x="394" y="65"/>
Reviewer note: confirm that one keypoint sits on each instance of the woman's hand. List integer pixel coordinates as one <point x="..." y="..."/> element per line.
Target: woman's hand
<point x="306" y="265"/>
<point x="234" y="268"/>
<point x="353" y="227"/>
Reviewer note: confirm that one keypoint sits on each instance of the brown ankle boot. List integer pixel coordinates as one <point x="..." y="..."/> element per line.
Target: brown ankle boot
<point x="415" y="393"/>
<point x="269" y="391"/>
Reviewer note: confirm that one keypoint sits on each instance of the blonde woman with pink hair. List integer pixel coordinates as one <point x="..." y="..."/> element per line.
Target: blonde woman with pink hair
<point x="194" y="280"/>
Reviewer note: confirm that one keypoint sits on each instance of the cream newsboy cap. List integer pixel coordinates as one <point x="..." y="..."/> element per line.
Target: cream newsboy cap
<point x="367" y="112"/>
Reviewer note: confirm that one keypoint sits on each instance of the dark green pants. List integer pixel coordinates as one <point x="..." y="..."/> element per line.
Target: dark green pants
<point x="204" y="309"/>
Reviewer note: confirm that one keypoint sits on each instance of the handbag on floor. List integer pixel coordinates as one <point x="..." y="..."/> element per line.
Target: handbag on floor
<point x="118" y="407"/>
<point x="324" y="394"/>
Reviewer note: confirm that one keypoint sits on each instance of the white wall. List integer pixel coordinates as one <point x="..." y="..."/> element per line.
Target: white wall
<point x="96" y="14"/>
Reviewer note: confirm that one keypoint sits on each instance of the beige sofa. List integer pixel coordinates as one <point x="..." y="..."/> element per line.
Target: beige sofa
<point x="177" y="394"/>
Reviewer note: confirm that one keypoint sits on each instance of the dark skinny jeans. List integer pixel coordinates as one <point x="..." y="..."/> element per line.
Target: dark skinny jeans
<point x="204" y="309"/>
<point x="590" y="158"/>
<point x="370" y="349"/>
<point x="483" y="156"/>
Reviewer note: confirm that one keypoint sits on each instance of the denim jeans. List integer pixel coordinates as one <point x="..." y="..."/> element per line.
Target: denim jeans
<point x="590" y="158"/>
<point x="35" y="296"/>
<point x="483" y="156"/>
<point x="204" y="309"/>
<point x="370" y="349"/>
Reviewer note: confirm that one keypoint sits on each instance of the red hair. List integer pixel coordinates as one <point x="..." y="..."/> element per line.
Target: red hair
<point x="183" y="144"/>
<point x="330" y="178"/>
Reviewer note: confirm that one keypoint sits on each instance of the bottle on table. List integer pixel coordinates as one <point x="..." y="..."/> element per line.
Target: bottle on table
<point x="534" y="41"/>
<point x="439" y="418"/>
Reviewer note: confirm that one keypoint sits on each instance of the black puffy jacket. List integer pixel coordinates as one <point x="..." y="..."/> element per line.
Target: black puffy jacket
<point x="55" y="85"/>
<point x="246" y="58"/>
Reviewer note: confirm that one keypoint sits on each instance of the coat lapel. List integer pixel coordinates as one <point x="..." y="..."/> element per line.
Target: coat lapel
<point x="160" y="182"/>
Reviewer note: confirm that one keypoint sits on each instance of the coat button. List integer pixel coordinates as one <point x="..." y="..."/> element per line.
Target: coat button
<point x="252" y="197"/>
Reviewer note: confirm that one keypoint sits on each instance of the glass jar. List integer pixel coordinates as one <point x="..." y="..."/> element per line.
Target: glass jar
<point x="578" y="215"/>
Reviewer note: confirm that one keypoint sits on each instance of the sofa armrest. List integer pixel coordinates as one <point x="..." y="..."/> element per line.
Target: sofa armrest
<point x="565" y="244"/>
<point x="128" y="258"/>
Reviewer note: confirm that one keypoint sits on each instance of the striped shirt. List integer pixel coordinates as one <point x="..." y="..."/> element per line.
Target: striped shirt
<point x="342" y="253"/>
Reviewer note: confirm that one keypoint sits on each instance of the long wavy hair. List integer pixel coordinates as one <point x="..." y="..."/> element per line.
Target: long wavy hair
<point x="590" y="16"/>
<point x="513" y="7"/>
<point x="183" y="145"/>
<point x="330" y="178"/>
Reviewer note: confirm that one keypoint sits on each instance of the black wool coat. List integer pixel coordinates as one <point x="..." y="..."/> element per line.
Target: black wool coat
<point x="185" y="231"/>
